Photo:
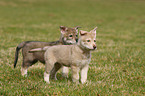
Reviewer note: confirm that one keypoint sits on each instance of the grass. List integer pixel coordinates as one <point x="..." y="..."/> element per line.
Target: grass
<point x="117" y="67"/>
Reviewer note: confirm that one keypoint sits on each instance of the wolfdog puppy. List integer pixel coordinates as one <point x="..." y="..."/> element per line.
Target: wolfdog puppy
<point x="68" y="37"/>
<point x="76" y="56"/>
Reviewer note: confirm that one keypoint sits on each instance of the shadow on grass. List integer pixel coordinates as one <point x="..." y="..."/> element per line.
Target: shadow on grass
<point x="39" y="74"/>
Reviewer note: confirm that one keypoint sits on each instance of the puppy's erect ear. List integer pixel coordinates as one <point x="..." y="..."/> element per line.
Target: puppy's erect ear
<point x="76" y="28"/>
<point x="94" y="30"/>
<point x="83" y="33"/>
<point x="63" y="29"/>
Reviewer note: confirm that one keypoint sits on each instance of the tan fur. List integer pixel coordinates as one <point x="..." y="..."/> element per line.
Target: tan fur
<point x="76" y="56"/>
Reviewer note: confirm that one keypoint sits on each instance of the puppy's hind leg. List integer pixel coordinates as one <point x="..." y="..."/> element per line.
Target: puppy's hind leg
<point x="24" y="71"/>
<point x="56" y="67"/>
<point x="24" y="68"/>
<point x="25" y="65"/>
<point x="48" y="68"/>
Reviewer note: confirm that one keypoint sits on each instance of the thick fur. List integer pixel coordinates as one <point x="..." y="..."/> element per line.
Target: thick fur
<point x="68" y="37"/>
<point x="76" y="56"/>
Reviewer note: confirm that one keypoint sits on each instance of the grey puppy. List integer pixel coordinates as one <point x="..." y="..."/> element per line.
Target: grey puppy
<point x="68" y="37"/>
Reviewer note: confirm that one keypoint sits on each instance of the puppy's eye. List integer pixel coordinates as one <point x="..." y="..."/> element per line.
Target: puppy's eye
<point x="94" y="40"/>
<point x="88" y="40"/>
<point x="70" y="35"/>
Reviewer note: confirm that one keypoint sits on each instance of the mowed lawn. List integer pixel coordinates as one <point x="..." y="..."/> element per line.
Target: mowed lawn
<point x="117" y="66"/>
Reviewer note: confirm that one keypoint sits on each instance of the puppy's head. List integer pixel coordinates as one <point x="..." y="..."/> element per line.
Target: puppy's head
<point x="87" y="40"/>
<point x="69" y="35"/>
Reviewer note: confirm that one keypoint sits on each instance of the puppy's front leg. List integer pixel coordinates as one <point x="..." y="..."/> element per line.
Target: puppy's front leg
<point x="75" y="74"/>
<point x="65" y="71"/>
<point x="84" y="72"/>
<point x="56" y="67"/>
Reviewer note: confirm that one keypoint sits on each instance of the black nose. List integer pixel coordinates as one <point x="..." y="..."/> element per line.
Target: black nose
<point x="94" y="46"/>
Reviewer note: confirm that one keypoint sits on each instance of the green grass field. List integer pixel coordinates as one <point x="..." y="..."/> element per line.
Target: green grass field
<point x="117" y="66"/>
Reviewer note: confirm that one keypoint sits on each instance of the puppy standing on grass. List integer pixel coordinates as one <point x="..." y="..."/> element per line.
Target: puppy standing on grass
<point x="76" y="56"/>
<point x="68" y="37"/>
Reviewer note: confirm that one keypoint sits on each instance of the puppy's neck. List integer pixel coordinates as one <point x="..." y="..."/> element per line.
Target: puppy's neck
<point x="61" y="40"/>
<point x="83" y="49"/>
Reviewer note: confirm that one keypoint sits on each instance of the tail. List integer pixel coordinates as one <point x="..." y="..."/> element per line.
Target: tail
<point x="38" y="49"/>
<point x="21" y="45"/>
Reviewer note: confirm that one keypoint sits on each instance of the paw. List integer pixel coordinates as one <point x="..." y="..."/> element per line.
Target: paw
<point x="46" y="77"/>
<point x="24" y="72"/>
<point x="83" y="81"/>
<point x="53" y="77"/>
<point x="25" y="75"/>
<point x="65" y="75"/>
<point x="75" y="81"/>
<point x="46" y="80"/>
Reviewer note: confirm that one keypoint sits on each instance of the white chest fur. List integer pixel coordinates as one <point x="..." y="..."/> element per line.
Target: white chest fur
<point x="80" y="58"/>
<point x="82" y="63"/>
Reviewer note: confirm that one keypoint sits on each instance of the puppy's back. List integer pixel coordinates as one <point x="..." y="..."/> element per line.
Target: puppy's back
<point x="59" y="53"/>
